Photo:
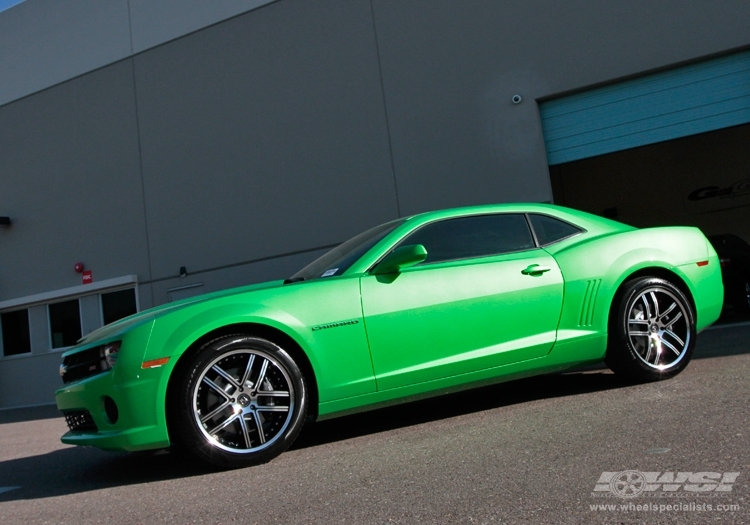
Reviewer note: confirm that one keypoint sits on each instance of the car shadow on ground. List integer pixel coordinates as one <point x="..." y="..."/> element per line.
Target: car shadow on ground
<point x="723" y="341"/>
<point x="458" y="404"/>
<point x="76" y="469"/>
<point x="727" y="341"/>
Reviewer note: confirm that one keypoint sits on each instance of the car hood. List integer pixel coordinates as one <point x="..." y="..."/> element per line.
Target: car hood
<point x="113" y="329"/>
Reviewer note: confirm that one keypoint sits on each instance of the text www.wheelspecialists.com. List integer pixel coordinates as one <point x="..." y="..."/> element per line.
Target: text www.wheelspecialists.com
<point x="666" y="507"/>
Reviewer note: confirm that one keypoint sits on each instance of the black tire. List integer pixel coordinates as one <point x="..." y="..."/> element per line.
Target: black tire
<point x="743" y="304"/>
<point x="241" y="401"/>
<point x="651" y="330"/>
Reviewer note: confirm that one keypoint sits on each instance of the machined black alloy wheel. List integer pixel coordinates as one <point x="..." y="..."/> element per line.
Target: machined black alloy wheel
<point x="242" y="402"/>
<point x="652" y="332"/>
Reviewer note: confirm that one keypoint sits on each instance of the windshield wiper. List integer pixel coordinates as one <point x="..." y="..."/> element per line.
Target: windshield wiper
<point x="293" y="280"/>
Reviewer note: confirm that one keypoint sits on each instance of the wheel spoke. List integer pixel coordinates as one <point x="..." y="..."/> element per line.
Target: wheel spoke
<point x="648" y="349"/>
<point x="262" y="375"/>
<point x="245" y="432"/>
<point x="272" y="408"/>
<point x="669" y="345"/>
<point x="656" y="305"/>
<point x="216" y="387"/>
<point x="666" y="313"/>
<point x="648" y="308"/>
<point x="226" y="376"/>
<point x="217" y="410"/>
<point x="273" y="393"/>
<point x="225" y="424"/>
<point x="640" y="333"/>
<point x="248" y="369"/>
<point x="674" y="336"/>
<point x="657" y="345"/>
<point x="673" y="321"/>
<point x="259" y="426"/>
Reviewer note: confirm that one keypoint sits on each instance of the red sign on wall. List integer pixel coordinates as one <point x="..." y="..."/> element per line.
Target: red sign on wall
<point x="87" y="277"/>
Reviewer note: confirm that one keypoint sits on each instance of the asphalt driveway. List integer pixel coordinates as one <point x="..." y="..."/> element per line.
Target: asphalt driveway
<point x="535" y="451"/>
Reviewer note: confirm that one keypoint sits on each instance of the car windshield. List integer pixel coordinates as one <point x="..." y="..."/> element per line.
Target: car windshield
<point x="339" y="259"/>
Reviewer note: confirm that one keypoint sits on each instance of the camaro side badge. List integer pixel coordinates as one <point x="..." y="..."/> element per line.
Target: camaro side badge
<point x="334" y="325"/>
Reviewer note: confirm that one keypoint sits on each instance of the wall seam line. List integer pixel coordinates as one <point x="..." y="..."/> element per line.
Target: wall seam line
<point x="385" y="109"/>
<point x="143" y="181"/>
<point x="243" y="263"/>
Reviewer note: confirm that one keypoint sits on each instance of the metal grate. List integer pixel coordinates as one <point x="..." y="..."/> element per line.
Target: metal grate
<point x="83" y="364"/>
<point x="589" y="303"/>
<point x="80" y="421"/>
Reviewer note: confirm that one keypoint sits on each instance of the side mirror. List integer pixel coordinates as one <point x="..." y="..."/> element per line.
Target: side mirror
<point x="400" y="258"/>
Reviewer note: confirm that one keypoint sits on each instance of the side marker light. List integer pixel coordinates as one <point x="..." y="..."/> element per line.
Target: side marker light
<point x="155" y="363"/>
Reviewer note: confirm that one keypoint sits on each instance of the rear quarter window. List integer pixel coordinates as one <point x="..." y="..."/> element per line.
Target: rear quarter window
<point x="550" y="230"/>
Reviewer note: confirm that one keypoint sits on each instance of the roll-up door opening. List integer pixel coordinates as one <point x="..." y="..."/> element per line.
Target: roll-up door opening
<point x="672" y="148"/>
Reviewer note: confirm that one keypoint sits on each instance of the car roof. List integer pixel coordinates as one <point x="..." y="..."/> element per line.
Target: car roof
<point x="592" y="225"/>
<point x="580" y="218"/>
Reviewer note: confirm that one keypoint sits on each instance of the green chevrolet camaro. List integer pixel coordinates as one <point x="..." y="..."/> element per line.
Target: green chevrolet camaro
<point x="415" y="307"/>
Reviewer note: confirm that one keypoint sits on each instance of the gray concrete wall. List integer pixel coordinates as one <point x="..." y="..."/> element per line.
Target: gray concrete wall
<point x="70" y="180"/>
<point x="29" y="380"/>
<point x="154" y="22"/>
<point x="46" y="42"/>
<point x="450" y="69"/>
<point x="263" y="135"/>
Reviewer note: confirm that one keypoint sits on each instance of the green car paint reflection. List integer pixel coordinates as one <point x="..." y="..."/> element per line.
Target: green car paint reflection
<point x="417" y="307"/>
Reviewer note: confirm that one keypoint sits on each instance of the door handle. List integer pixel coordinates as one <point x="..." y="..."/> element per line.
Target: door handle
<point x="535" y="269"/>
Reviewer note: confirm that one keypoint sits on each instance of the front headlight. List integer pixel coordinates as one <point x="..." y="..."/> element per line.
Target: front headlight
<point x="89" y="362"/>
<point x="110" y="352"/>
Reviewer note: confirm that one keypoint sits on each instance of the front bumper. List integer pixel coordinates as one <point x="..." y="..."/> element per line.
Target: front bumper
<point x="138" y="394"/>
<point x="139" y="425"/>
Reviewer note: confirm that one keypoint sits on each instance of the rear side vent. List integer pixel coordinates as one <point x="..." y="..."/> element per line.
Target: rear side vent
<point x="589" y="303"/>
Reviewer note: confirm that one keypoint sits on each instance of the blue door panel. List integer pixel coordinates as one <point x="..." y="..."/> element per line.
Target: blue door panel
<point x="684" y="101"/>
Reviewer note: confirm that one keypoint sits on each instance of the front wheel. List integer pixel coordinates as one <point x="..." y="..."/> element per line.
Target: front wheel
<point x="652" y="333"/>
<point x="241" y="402"/>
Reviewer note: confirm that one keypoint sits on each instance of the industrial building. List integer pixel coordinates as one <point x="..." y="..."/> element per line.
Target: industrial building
<point x="177" y="147"/>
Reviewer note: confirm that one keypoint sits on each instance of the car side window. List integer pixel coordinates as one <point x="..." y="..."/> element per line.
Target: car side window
<point x="469" y="237"/>
<point x="550" y="230"/>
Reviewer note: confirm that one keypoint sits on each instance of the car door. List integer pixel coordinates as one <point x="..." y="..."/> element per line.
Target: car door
<point x="485" y="296"/>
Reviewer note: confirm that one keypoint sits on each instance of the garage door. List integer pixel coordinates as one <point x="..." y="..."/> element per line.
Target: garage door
<point x="684" y="101"/>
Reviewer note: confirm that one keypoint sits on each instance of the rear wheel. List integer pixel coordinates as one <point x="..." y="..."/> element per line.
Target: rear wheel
<point x="241" y="402"/>
<point x="652" y="331"/>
